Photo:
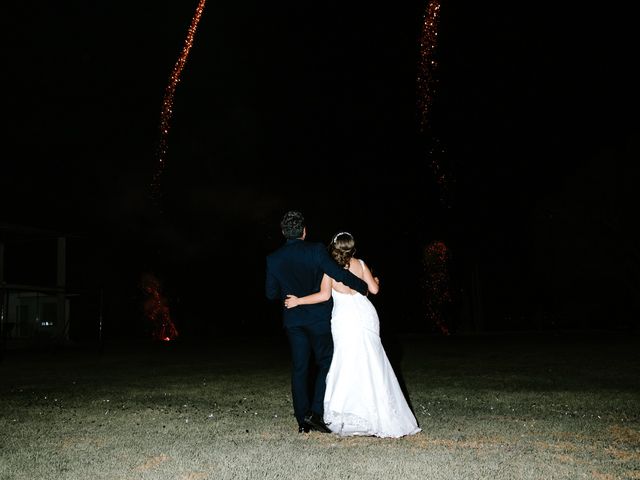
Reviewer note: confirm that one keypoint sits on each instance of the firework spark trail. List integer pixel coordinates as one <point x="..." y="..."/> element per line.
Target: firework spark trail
<point x="436" y="284"/>
<point x="427" y="63"/>
<point x="426" y="89"/>
<point x="167" y="103"/>
<point x="436" y="281"/>
<point x="156" y="309"/>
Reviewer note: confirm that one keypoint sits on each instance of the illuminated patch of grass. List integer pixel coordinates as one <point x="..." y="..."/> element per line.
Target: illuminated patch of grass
<point x="499" y="408"/>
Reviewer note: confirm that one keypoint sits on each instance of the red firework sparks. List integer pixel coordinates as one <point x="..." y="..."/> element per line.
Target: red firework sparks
<point x="427" y="63"/>
<point x="436" y="284"/>
<point x="156" y="310"/>
<point x="167" y="103"/>
<point x="426" y="88"/>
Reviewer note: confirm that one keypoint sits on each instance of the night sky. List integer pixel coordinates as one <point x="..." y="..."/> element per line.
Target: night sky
<point x="312" y="106"/>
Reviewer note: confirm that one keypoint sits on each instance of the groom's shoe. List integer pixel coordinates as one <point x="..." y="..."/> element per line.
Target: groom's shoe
<point x="315" y="422"/>
<point x="303" y="428"/>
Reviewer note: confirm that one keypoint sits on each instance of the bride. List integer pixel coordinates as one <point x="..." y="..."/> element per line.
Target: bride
<point x="363" y="395"/>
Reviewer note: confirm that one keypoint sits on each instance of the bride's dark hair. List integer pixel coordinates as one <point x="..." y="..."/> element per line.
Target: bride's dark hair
<point x="342" y="248"/>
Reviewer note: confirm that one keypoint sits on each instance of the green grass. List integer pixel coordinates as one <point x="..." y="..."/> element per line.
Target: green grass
<point x="491" y="407"/>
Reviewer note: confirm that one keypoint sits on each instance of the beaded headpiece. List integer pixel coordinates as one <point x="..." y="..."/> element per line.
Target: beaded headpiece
<point x="338" y="234"/>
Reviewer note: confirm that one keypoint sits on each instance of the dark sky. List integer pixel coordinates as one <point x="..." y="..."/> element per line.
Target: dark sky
<point x="312" y="105"/>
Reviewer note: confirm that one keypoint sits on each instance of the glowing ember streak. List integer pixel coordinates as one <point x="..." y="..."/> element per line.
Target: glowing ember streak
<point x="436" y="284"/>
<point x="437" y="158"/>
<point x="167" y="103"/>
<point x="156" y="309"/>
<point x="427" y="63"/>
<point x="426" y="88"/>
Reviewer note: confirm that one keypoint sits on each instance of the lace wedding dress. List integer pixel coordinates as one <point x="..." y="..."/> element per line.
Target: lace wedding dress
<point x="363" y="395"/>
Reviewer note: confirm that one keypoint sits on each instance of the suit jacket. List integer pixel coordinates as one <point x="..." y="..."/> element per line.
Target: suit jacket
<point x="297" y="268"/>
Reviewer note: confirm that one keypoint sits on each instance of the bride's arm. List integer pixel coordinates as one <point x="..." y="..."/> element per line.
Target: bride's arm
<point x="372" y="282"/>
<point x="323" y="295"/>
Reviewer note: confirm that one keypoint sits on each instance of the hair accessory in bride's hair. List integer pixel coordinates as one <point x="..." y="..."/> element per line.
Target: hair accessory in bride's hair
<point x="338" y="234"/>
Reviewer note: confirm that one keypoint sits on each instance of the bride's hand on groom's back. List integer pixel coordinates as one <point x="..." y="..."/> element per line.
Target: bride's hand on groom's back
<point x="291" y="301"/>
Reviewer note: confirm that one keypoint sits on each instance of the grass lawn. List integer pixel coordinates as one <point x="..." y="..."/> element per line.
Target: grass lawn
<point x="491" y="407"/>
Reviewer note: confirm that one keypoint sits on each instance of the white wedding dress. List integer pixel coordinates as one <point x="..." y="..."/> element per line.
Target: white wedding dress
<point x="363" y="395"/>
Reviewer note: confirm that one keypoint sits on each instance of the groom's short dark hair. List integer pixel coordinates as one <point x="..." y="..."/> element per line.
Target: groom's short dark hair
<point x="292" y="225"/>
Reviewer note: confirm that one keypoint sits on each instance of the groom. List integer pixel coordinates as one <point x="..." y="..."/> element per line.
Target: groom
<point x="297" y="268"/>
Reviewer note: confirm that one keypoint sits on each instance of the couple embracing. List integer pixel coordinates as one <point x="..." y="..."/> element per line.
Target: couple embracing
<point x="329" y="318"/>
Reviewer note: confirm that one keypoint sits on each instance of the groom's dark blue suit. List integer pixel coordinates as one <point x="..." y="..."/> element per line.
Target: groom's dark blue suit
<point x="297" y="268"/>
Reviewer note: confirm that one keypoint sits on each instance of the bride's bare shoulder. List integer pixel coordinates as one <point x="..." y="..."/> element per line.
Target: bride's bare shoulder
<point x="356" y="265"/>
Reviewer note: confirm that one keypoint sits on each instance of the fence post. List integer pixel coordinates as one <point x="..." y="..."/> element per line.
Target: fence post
<point x="100" y="317"/>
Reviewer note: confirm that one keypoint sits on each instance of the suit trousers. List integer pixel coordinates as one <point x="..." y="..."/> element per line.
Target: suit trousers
<point x="309" y="342"/>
